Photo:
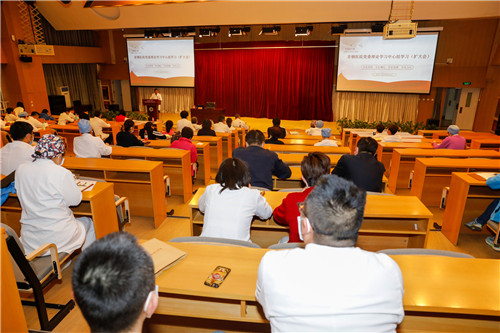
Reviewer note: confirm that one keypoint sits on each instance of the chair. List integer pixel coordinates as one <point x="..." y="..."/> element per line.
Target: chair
<point x="496" y="230"/>
<point x="280" y="246"/>
<point x="34" y="273"/>
<point x="214" y="241"/>
<point x="425" y="252"/>
<point x="5" y="138"/>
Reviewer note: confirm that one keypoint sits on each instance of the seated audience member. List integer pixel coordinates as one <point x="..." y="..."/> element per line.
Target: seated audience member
<point x="72" y="114"/>
<point x="347" y="288"/>
<point x="238" y="123"/>
<point x="33" y="120"/>
<point x="391" y="134"/>
<point x="276" y="124"/>
<point x="10" y="117"/>
<point x="85" y="115"/>
<point x="45" y="115"/>
<point x="169" y="128"/>
<point x="65" y="118"/>
<point x="230" y="205"/>
<point x="3" y="123"/>
<point x="87" y="145"/>
<point x="114" y="284"/>
<point x="151" y="131"/>
<point x="229" y="123"/>
<point x="313" y="166"/>
<point x="379" y="132"/>
<point x="184" y="142"/>
<point x="126" y="137"/>
<point x="98" y="124"/>
<point x="121" y="117"/>
<point x="18" y="151"/>
<point x="221" y="126"/>
<point x="183" y="122"/>
<point x="194" y="121"/>
<point x="262" y="163"/>
<point x="19" y="108"/>
<point x="23" y="117"/>
<point x="46" y="190"/>
<point x="316" y="127"/>
<point x="492" y="213"/>
<point x="362" y="168"/>
<point x="326" y="133"/>
<point x="275" y="134"/>
<point x="206" y="129"/>
<point x="176" y="136"/>
<point x="453" y="141"/>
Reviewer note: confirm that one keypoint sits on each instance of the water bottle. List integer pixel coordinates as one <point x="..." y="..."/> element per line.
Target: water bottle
<point x="146" y="136"/>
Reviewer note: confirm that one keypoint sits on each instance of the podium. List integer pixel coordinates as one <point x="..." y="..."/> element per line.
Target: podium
<point x="151" y="106"/>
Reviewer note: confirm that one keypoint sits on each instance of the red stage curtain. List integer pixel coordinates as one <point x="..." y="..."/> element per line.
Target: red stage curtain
<point x="289" y="83"/>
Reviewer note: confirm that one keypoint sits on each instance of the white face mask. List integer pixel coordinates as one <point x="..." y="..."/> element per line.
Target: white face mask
<point x="62" y="161"/>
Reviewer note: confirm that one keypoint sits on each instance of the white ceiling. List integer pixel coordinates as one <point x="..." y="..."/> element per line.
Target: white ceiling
<point x="237" y="12"/>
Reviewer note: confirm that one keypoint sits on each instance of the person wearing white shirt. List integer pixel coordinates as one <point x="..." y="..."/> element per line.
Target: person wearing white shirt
<point x="34" y="121"/>
<point x="331" y="285"/>
<point x="19" y="108"/>
<point x="221" y="126"/>
<point x="238" y="123"/>
<point x="379" y="134"/>
<point x="3" y="123"/>
<point x="65" y="118"/>
<point x="315" y="128"/>
<point x="18" y="151"/>
<point x="156" y="95"/>
<point x="46" y="190"/>
<point x="10" y="117"/>
<point x="87" y="145"/>
<point x="229" y="123"/>
<point x="98" y="124"/>
<point x="391" y="135"/>
<point x="230" y="205"/>
<point x="194" y="121"/>
<point x="183" y="122"/>
<point x="23" y="117"/>
<point x="326" y="133"/>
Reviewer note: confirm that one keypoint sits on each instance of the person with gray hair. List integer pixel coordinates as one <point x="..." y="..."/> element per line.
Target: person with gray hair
<point x="331" y="285"/>
<point x="453" y="141"/>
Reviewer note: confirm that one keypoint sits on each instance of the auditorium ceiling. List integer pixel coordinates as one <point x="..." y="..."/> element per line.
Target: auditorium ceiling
<point x="99" y="15"/>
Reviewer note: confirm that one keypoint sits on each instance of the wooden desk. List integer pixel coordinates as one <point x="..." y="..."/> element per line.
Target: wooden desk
<point x="113" y="130"/>
<point x="240" y="134"/>
<point x="490" y="143"/>
<point x="300" y="142"/>
<point x="286" y="149"/>
<point x="140" y="181"/>
<point x="389" y="222"/>
<point x="433" y="174"/>
<point x="431" y="283"/>
<point x="385" y="149"/>
<point x="296" y="159"/>
<point x="215" y="150"/>
<point x="403" y="161"/>
<point x="203" y="150"/>
<point x="227" y="144"/>
<point x="468" y="135"/>
<point x="98" y="204"/>
<point x="467" y="199"/>
<point x="176" y="164"/>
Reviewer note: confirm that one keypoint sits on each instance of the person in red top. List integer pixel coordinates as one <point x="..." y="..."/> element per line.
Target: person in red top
<point x="313" y="166"/>
<point x="185" y="143"/>
<point x="121" y="117"/>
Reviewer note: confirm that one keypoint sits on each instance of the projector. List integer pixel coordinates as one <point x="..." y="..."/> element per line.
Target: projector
<point x="400" y="30"/>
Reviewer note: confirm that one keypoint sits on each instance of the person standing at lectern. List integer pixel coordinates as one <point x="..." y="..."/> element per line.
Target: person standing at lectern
<point x="156" y="95"/>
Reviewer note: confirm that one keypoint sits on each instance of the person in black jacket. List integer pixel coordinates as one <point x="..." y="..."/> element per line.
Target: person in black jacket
<point x="206" y="129"/>
<point x="362" y="168"/>
<point x="262" y="163"/>
<point x="276" y="125"/>
<point x="153" y="134"/>
<point x="126" y="137"/>
<point x="275" y="134"/>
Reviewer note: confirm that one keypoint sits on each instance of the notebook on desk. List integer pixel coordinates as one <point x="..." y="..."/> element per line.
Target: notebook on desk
<point x="164" y="255"/>
<point x="484" y="175"/>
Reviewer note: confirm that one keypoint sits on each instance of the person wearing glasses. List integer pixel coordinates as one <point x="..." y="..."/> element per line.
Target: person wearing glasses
<point x="114" y="284"/>
<point x="331" y="285"/>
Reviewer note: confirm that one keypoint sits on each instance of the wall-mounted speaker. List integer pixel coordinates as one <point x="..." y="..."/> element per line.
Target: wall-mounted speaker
<point x="26" y="59"/>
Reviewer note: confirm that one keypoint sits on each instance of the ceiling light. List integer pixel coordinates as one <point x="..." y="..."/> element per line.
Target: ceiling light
<point x="303" y="31"/>
<point x="270" y="31"/>
<point x="209" y="32"/>
<point x="239" y="31"/>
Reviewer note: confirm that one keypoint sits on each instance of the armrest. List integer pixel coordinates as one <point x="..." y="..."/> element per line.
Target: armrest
<point x="166" y="180"/>
<point x="124" y="201"/>
<point x="53" y="254"/>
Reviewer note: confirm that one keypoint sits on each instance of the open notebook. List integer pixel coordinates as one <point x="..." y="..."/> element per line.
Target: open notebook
<point x="164" y="255"/>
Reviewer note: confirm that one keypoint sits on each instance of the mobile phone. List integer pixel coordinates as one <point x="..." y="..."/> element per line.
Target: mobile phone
<point x="217" y="276"/>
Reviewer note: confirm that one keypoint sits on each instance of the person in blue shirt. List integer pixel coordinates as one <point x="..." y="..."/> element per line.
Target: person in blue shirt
<point x="45" y="115"/>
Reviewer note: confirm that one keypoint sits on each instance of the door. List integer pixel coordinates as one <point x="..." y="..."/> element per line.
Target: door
<point x="467" y="108"/>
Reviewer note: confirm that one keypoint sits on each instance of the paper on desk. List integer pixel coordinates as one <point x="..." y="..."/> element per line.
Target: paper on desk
<point x="164" y="255"/>
<point x="486" y="175"/>
<point x="85" y="185"/>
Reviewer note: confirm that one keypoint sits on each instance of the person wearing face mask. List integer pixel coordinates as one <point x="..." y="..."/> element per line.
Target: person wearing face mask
<point x="126" y="137"/>
<point x="18" y="151"/>
<point x="46" y="190"/>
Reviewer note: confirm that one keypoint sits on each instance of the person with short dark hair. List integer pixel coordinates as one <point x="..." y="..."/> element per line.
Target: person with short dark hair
<point x="362" y="168"/>
<point x="19" y="108"/>
<point x="453" y="140"/>
<point x="98" y="124"/>
<point x="230" y="205"/>
<point x="65" y="117"/>
<point x="114" y="284"/>
<point x="185" y="143"/>
<point x="275" y="134"/>
<point x="87" y="145"/>
<point x="221" y="126"/>
<point x="33" y="120"/>
<point x="276" y="124"/>
<point x="183" y="122"/>
<point x="194" y="121"/>
<point x="229" y="123"/>
<point x="262" y="163"/>
<point x="238" y="122"/>
<point x="45" y="115"/>
<point x="379" y="132"/>
<point x="206" y="128"/>
<point x="151" y="131"/>
<point x="156" y="95"/>
<point x="10" y="117"/>
<point x="313" y="166"/>
<point x="126" y="137"/>
<point x="391" y="134"/>
<point x="18" y="151"/>
<point x="347" y="288"/>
